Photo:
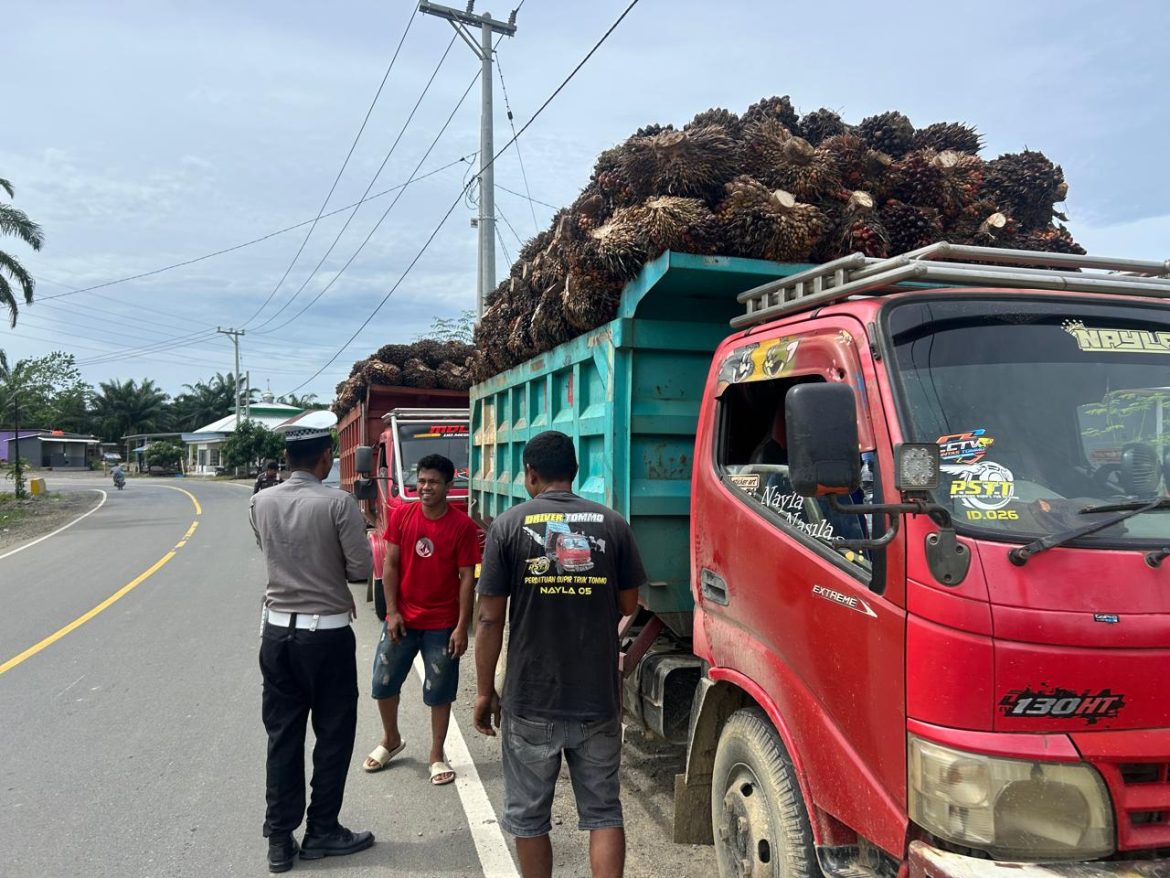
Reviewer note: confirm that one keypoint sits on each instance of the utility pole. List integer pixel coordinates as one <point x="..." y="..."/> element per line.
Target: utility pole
<point x="234" y="335"/>
<point x="486" y="221"/>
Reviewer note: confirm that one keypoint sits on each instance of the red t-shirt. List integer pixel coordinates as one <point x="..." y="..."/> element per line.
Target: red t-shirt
<point x="430" y="555"/>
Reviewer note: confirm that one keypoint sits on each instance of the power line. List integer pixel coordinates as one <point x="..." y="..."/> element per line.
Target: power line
<point x="519" y="240"/>
<point x="459" y="197"/>
<point x="382" y="218"/>
<point x="241" y="246"/>
<point x="373" y="180"/>
<point x="527" y="197"/>
<point x="503" y="246"/>
<point x="519" y="157"/>
<point x="337" y="179"/>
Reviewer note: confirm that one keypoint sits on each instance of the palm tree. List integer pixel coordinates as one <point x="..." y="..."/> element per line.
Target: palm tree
<point x="16" y="222"/>
<point x="126" y="407"/>
<point x="304" y="401"/>
<point x="207" y="401"/>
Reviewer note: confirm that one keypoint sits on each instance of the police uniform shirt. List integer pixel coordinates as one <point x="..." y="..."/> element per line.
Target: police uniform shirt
<point x="314" y="542"/>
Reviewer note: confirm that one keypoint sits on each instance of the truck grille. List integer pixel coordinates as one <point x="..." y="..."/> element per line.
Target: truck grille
<point x="1141" y="796"/>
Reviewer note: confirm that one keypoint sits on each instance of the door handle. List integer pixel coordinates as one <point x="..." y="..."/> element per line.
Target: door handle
<point x="713" y="587"/>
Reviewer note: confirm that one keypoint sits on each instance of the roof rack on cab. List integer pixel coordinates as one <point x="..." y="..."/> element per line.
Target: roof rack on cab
<point x="952" y="264"/>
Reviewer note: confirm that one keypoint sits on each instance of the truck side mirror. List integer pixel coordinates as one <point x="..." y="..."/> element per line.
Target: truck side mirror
<point x="365" y="489"/>
<point x="821" y="427"/>
<point x="363" y="460"/>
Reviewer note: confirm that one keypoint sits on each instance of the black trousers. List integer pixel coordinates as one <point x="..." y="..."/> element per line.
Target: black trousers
<point x="307" y="674"/>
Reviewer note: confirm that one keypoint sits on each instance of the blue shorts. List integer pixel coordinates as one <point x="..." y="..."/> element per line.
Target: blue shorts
<point x="532" y="751"/>
<point x="392" y="663"/>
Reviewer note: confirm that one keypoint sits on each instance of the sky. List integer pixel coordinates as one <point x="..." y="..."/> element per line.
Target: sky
<point x="145" y="134"/>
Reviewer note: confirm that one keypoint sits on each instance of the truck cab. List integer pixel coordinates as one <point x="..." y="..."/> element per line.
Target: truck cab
<point x="410" y="434"/>
<point x="928" y="528"/>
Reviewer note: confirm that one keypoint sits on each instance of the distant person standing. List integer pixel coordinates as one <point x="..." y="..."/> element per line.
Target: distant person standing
<point x="269" y="478"/>
<point x="314" y="542"/>
<point x="429" y="582"/>
<point x="566" y="570"/>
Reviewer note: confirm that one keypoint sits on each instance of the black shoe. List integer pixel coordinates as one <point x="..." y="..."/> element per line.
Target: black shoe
<point x="282" y="853"/>
<point x="338" y="843"/>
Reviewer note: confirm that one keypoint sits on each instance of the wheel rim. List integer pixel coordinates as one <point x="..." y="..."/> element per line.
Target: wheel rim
<point x="746" y="831"/>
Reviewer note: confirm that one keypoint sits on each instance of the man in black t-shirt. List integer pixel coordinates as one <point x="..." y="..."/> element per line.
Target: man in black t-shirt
<point x="571" y="569"/>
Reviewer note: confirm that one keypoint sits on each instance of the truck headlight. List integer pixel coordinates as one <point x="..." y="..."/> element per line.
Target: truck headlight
<point x="1010" y="808"/>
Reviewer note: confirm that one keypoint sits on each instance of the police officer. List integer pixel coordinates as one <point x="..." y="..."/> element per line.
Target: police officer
<point x="270" y="478"/>
<point x="314" y="541"/>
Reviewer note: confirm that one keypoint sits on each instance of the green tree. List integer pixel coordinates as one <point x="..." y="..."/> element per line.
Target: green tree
<point x="305" y="401"/>
<point x="124" y="407"/>
<point x="452" y="328"/>
<point x="52" y="394"/>
<point x="16" y="222"/>
<point x="166" y="455"/>
<point x="206" y="401"/>
<point x="250" y="445"/>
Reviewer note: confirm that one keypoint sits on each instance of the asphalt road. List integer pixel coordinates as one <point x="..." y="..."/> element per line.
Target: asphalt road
<point x="132" y="741"/>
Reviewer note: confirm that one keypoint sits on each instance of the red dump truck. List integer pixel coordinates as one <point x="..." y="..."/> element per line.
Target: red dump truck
<point x="906" y="529"/>
<point x="398" y="426"/>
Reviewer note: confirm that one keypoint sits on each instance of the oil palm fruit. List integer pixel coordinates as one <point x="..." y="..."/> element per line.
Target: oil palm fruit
<point x="891" y="133"/>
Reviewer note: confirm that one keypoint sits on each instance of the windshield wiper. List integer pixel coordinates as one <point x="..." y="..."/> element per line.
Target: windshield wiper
<point x="1020" y="555"/>
<point x="1147" y="505"/>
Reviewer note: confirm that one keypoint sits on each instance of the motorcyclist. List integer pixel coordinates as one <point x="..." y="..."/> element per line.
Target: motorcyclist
<point x="119" y="475"/>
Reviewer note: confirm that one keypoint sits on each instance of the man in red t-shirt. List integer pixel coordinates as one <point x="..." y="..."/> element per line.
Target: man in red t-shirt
<point x="429" y="580"/>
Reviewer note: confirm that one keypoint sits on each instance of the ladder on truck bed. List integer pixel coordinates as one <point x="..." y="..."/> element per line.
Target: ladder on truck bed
<point x="951" y="264"/>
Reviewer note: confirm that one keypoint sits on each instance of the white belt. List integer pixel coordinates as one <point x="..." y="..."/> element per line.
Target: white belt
<point x="312" y="622"/>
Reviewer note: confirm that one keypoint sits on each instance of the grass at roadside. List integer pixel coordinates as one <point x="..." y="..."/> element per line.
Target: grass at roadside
<point x="13" y="510"/>
<point x="27" y="519"/>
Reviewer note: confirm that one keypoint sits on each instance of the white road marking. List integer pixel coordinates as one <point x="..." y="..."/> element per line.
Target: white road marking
<point x="494" y="856"/>
<point x="71" y="685"/>
<point x="58" y="530"/>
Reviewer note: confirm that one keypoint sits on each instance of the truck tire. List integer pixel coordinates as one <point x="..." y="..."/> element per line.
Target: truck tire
<point x="758" y="817"/>
<point x="379" y="599"/>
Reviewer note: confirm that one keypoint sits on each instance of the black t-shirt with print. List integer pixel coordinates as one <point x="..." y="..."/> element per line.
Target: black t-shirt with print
<point x="562" y="560"/>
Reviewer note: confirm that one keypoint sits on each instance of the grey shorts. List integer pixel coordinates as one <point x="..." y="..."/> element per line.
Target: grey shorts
<point x="532" y="760"/>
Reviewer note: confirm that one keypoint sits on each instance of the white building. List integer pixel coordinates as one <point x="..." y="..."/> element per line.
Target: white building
<point x="205" y="445"/>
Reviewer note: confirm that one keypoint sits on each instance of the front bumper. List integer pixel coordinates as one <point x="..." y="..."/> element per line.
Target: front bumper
<point x="929" y="862"/>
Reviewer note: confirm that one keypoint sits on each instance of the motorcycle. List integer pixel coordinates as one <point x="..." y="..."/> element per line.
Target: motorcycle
<point x="119" y="479"/>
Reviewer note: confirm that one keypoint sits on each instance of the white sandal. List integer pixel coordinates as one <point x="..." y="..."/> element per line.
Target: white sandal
<point x="438" y="770"/>
<point x="381" y="756"/>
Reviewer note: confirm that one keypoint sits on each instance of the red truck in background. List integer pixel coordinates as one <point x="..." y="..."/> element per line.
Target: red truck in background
<point x="399" y="426"/>
<point x="907" y="531"/>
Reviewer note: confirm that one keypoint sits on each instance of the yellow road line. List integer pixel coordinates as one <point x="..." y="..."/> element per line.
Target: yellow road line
<point x="192" y="497"/>
<point x="104" y="605"/>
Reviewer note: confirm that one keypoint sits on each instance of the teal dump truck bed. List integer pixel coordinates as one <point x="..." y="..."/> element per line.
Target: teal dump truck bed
<point x="628" y="393"/>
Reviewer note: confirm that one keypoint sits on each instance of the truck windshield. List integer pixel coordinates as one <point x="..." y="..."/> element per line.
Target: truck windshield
<point x="1040" y="407"/>
<point x="420" y="439"/>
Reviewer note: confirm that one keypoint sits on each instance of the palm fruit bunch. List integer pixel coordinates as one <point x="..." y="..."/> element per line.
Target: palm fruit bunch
<point x="425" y="363"/>
<point x="859" y="166"/>
<point x="858" y="229"/>
<point x="767" y="184"/>
<point x="686" y="225"/>
<point x="943" y="136"/>
<point x="778" y="108"/>
<point x="891" y="133"/>
<point x="1053" y="239"/>
<point x="910" y="227"/>
<point x="766" y="224"/>
<point x="376" y="372"/>
<point x="917" y="178"/>
<point x="692" y="163"/>
<point x="1026" y="185"/>
<point x="808" y="173"/>
<point x="819" y="125"/>
<point x="725" y="119"/>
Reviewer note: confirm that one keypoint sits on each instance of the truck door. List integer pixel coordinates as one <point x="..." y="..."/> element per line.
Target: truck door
<point x="813" y="625"/>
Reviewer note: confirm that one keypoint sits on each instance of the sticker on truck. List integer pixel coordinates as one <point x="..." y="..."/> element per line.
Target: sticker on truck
<point x="1117" y="341"/>
<point x="968" y="447"/>
<point x="1057" y="703"/>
